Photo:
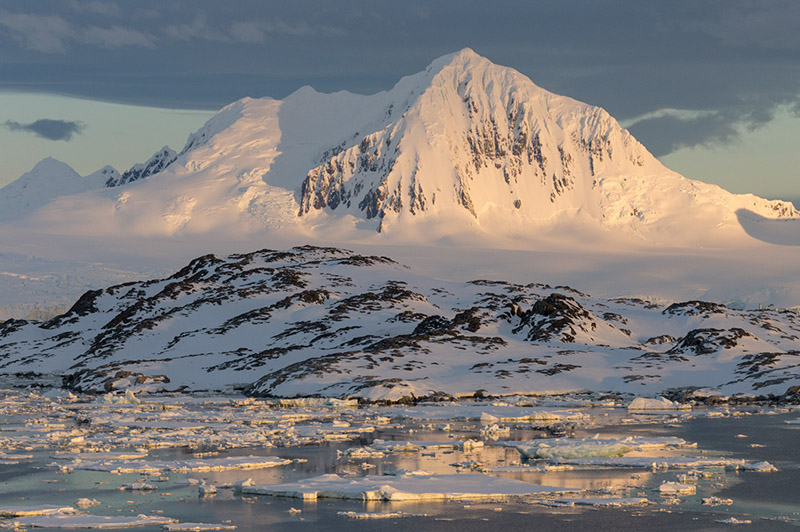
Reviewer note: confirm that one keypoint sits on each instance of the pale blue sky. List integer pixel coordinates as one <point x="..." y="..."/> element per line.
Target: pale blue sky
<point x="712" y="88"/>
<point x="115" y="134"/>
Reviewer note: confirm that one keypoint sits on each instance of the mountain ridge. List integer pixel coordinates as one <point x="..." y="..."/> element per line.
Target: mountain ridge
<point x="323" y="321"/>
<point x="464" y="140"/>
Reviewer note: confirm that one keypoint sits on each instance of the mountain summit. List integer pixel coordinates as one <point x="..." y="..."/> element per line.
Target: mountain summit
<point x="476" y="137"/>
<point x="465" y="145"/>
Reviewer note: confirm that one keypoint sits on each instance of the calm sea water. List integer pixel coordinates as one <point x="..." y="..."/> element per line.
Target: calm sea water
<point x="759" y="497"/>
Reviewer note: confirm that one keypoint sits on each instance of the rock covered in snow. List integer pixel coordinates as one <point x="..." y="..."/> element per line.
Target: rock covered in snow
<point x="313" y="321"/>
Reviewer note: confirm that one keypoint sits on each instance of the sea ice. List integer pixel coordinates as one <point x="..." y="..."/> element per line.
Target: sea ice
<point x="27" y="511"/>
<point x="609" y="502"/>
<point x="372" y="515"/>
<point x="677" y="488"/>
<point x="734" y="521"/>
<point x="716" y="501"/>
<point x="197" y="526"/>
<point x="591" y="447"/>
<point x="183" y="466"/>
<point x="652" y="462"/>
<point x="404" y="488"/>
<point x="86" y="521"/>
<point x="761" y="467"/>
<point x="644" y="403"/>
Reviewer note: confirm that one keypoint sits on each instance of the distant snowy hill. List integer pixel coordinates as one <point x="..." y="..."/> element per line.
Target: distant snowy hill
<point x="48" y="180"/>
<point x="329" y="322"/>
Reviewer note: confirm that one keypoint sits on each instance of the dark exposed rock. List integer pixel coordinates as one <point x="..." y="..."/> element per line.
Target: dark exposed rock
<point x="706" y="341"/>
<point x="693" y="308"/>
<point x="555" y="316"/>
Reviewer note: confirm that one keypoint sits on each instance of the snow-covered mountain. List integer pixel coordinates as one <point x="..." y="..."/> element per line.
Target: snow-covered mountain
<point x="464" y="146"/>
<point x="158" y="162"/>
<point x="48" y="180"/>
<point x="329" y="322"/>
<point x="464" y="169"/>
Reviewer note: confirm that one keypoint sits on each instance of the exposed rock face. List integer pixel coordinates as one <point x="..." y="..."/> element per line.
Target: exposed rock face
<point x="155" y="164"/>
<point x="476" y="134"/>
<point x="325" y="321"/>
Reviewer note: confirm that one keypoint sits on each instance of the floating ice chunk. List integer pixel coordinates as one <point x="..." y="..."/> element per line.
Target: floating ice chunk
<point x="371" y="515"/>
<point x="760" y="467"/>
<point x="529" y="468"/>
<point x="644" y="403"/>
<point x="127" y="398"/>
<point x="87" y="521"/>
<point x="608" y="502"/>
<point x="404" y="488"/>
<point x="328" y="402"/>
<point x="95" y="456"/>
<point x="86" y="503"/>
<point x="488" y="419"/>
<point x="207" y="490"/>
<point x="198" y="526"/>
<point x="247" y="401"/>
<point x="409" y="473"/>
<point x="138" y="486"/>
<point x="26" y="511"/>
<point x="677" y="488"/>
<point x="237" y="486"/>
<point x="591" y="447"/>
<point x="361" y="452"/>
<point x="294" y="511"/>
<point x="716" y="501"/>
<point x="411" y="446"/>
<point x="58" y="393"/>
<point x="653" y="462"/>
<point x="734" y="521"/>
<point x="495" y="430"/>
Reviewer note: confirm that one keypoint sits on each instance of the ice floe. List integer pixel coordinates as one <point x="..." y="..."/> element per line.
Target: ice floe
<point x="591" y="447"/>
<point x="27" y="511"/>
<point x="372" y="515"/>
<point x="183" y="466"/>
<point x="677" y="488"/>
<point x="86" y="521"/>
<point x="716" y="501"/>
<point x="198" y="526"/>
<point x="654" y="462"/>
<point x="599" y="502"/>
<point x="644" y="403"/>
<point x="404" y="487"/>
<point x="734" y="521"/>
<point x="761" y="467"/>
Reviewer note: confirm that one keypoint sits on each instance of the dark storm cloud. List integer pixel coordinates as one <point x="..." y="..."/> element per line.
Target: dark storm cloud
<point x="732" y="62"/>
<point x="48" y="129"/>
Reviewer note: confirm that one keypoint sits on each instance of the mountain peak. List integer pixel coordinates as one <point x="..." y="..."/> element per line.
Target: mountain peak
<point x="52" y="166"/>
<point x="466" y="57"/>
<point x="465" y="146"/>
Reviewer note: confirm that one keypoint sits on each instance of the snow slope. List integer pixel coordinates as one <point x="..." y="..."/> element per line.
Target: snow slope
<point x="48" y="180"/>
<point x="329" y="322"/>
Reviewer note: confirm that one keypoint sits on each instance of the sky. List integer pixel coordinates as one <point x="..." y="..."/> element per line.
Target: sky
<point x="712" y="88"/>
